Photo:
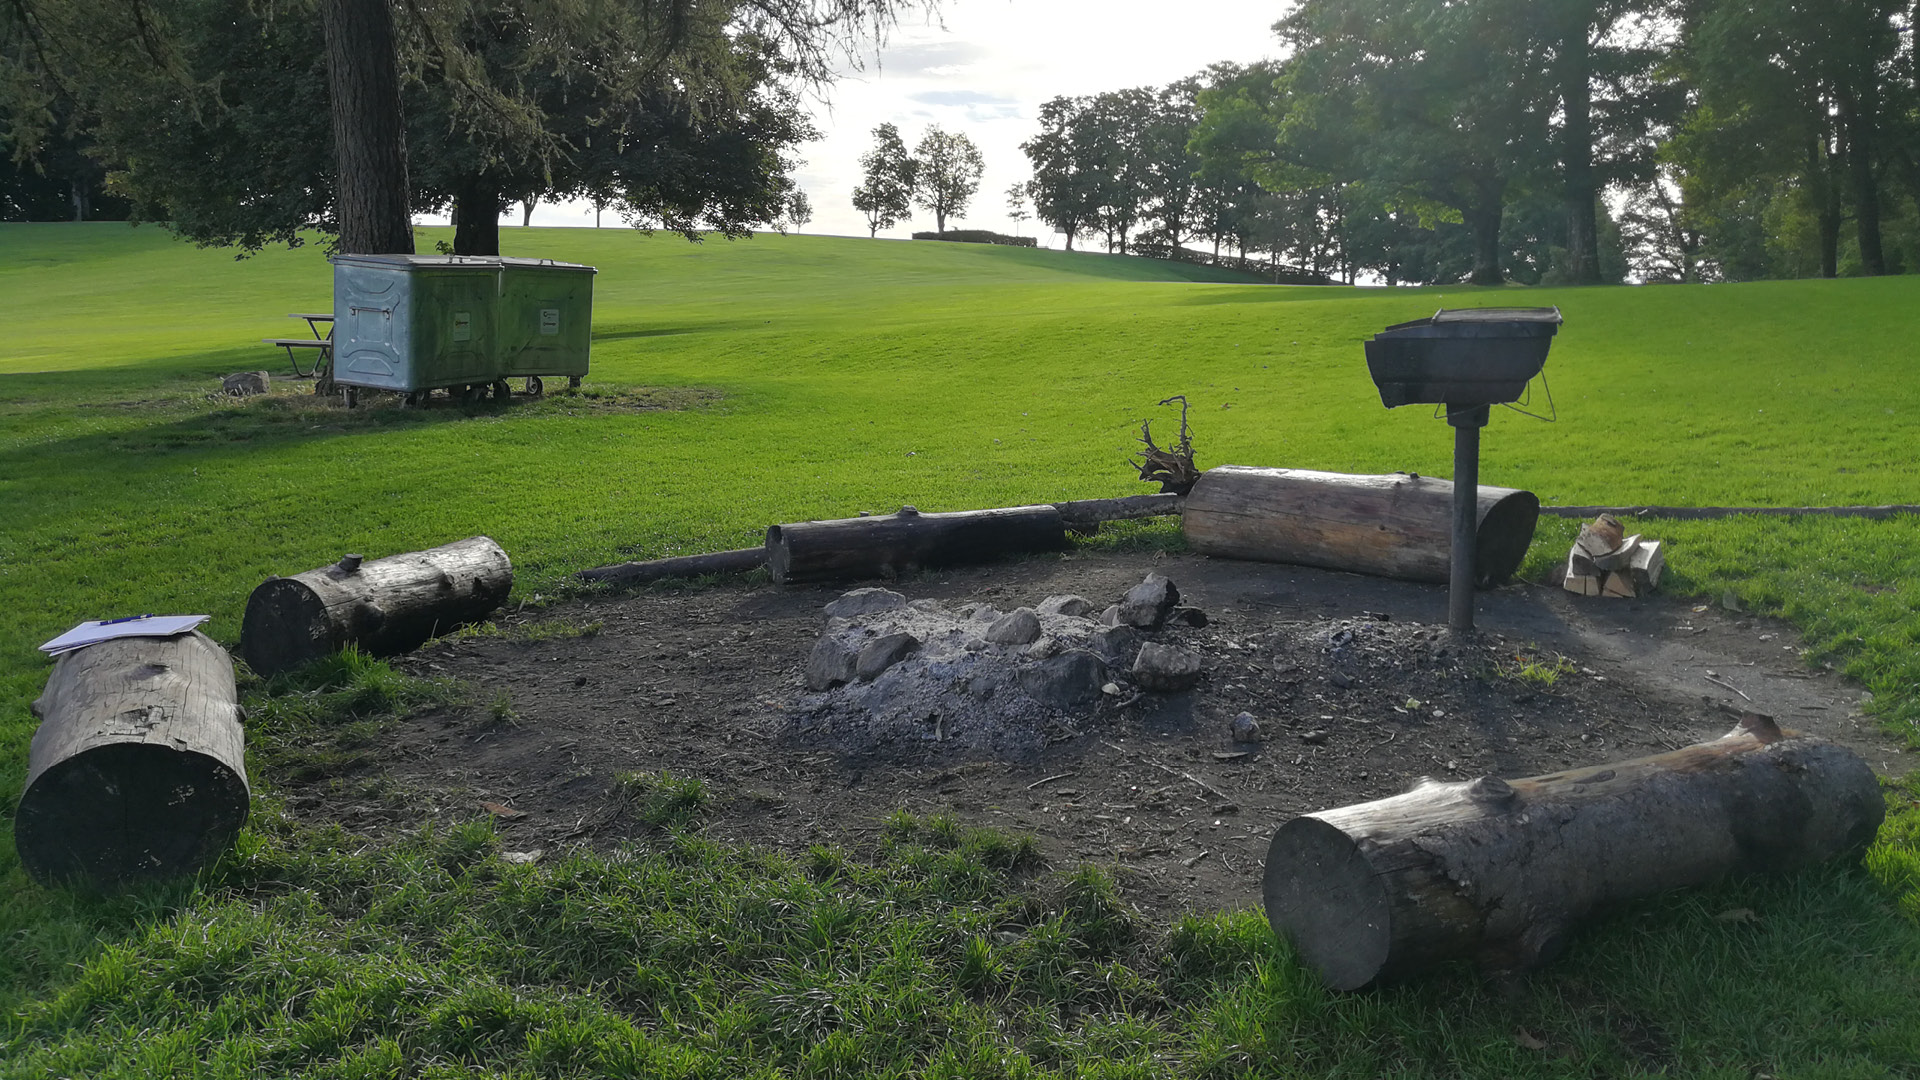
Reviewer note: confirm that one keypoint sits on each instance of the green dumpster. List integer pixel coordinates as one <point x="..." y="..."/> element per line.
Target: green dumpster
<point x="412" y="323"/>
<point x="544" y="323"/>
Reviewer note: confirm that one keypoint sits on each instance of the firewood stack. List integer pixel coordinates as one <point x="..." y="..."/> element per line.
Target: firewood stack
<point x="1607" y="562"/>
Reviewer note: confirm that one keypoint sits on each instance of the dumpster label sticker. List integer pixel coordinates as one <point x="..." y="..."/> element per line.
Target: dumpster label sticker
<point x="549" y="320"/>
<point x="463" y="326"/>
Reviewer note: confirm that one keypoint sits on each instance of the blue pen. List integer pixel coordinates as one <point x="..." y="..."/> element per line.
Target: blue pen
<point x="125" y="618"/>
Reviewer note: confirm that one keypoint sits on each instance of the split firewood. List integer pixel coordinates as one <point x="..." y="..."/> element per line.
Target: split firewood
<point x="1618" y="584"/>
<point x="1582" y="578"/>
<point x="1620" y="556"/>
<point x="1648" y="561"/>
<point x="1601" y="535"/>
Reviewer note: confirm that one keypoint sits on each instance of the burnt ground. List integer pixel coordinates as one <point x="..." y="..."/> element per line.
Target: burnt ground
<point x="704" y="682"/>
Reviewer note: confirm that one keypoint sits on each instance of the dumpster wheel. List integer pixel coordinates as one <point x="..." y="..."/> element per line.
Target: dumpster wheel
<point x="535" y="388"/>
<point x="501" y="391"/>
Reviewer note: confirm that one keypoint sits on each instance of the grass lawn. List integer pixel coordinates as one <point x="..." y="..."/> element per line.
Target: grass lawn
<point x="739" y="384"/>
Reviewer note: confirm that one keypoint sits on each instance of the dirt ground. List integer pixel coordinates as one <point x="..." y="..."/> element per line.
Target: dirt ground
<point x="1358" y="690"/>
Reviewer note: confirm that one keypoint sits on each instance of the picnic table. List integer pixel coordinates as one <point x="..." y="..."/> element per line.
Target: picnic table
<point x="321" y="342"/>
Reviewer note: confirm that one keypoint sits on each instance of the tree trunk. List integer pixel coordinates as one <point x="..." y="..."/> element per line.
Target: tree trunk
<point x="1500" y="871"/>
<point x="476" y="218"/>
<point x="77" y="192"/>
<point x="369" y="135"/>
<point x="526" y="215"/>
<point x="1484" y="219"/>
<point x="889" y="545"/>
<point x="1398" y="526"/>
<point x="383" y="607"/>
<point x="1826" y="204"/>
<point x="1859" y="116"/>
<point x="1576" y="139"/>
<point x="138" y="768"/>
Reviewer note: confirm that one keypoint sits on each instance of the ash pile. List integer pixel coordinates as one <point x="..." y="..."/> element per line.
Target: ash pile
<point x="903" y="677"/>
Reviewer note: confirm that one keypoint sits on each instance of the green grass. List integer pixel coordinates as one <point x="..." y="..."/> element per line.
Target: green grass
<point x="735" y="385"/>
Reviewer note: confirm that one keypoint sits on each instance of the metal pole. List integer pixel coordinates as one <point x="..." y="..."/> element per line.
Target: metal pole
<point x="1467" y="422"/>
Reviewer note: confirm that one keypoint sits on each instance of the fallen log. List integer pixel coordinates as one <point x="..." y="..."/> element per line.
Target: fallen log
<point x="681" y="566"/>
<point x="1714" y="513"/>
<point x="1500" y="871"/>
<point x="888" y="545"/>
<point x="385" y="607"/>
<point x="1080" y="513"/>
<point x="137" y="769"/>
<point x="1397" y="526"/>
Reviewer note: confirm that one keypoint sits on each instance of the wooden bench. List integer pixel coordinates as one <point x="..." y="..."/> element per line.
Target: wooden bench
<point x="320" y="361"/>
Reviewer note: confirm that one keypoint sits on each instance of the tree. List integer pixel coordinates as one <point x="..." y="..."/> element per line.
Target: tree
<point x="947" y="170"/>
<point x="799" y="209"/>
<point x="1797" y="92"/>
<point x="1446" y="102"/>
<point x="885" y="193"/>
<point x="1063" y="186"/>
<point x="1017" y="205"/>
<point x="683" y="54"/>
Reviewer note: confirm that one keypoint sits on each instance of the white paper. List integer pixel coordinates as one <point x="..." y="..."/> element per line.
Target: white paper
<point x="90" y="633"/>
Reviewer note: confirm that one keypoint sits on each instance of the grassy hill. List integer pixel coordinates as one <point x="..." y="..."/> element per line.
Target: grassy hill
<point x="783" y="378"/>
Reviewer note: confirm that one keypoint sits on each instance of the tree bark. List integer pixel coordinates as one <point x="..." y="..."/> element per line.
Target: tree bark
<point x="1859" y="118"/>
<point x="1484" y="219"/>
<point x="888" y="545"/>
<point x="369" y="135"/>
<point x="1500" y="871"/>
<point x="684" y="566"/>
<point x="476" y="218"/>
<point x="1576" y="149"/>
<point x="1398" y="526"/>
<point x="138" y="768"/>
<point x="1826" y="205"/>
<point x="384" y="607"/>
<point x="526" y="214"/>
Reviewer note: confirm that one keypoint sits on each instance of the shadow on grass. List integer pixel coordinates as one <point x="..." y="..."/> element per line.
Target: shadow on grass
<point x="296" y="416"/>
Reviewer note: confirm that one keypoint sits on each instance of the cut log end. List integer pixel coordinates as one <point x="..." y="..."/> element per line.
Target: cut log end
<point x="126" y="812"/>
<point x="1325" y="898"/>
<point x="285" y="625"/>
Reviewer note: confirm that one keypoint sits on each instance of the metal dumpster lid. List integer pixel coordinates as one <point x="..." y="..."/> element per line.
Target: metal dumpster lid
<point x="547" y="264"/>
<point x="1484" y="315"/>
<point x="471" y="262"/>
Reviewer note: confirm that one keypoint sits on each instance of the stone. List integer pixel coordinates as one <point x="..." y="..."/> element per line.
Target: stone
<point x="1187" y="616"/>
<point x="245" y="383"/>
<point x="1245" y="728"/>
<point x="1110" y="617"/>
<point x="865" y="602"/>
<point x="984" y="613"/>
<point x="1016" y="627"/>
<point x="882" y="653"/>
<point x="1148" y="604"/>
<point x="1064" y="681"/>
<point x="1068" y="604"/>
<point x="1045" y="647"/>
<point x="1115" y="644"/>
<point x="830" y="664"/>
<point x="1165" y="667"/>
<point x="1315" y="737"/>
<point x="1341" y="680"/>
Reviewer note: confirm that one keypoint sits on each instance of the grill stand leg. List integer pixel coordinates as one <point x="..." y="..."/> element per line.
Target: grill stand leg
<point x="1467" y="420"/>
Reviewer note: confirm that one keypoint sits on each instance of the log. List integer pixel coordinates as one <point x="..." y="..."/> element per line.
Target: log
<point x="1500" y="871"/>
<point x="888" y="545"/>
<point x="137" y="769"/>
<point x="383" y="607"/>
<point x="1397" y="526"/>
<point x="1714" y="513"/>
<point x="682" y="566"/>
<point x="1648" y="562"/>
<point x="1079" y="513"/>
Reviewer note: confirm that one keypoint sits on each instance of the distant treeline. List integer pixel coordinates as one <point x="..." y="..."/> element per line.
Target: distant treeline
<point x="1556" y="141"/>
<point x="978" y="236"/>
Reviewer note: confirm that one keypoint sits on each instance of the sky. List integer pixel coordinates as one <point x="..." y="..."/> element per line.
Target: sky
<point x="983" y="67"/>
